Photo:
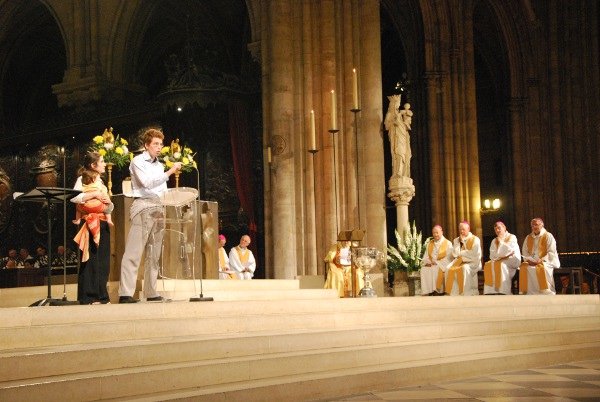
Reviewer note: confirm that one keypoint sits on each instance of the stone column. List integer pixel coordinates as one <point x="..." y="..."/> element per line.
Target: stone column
<point x="371" y="135"/>
<point x="278" y="123"/>
<point x="401" y="192"/>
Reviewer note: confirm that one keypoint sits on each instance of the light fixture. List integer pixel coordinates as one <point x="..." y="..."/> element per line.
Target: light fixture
<point x="490" y="205"/>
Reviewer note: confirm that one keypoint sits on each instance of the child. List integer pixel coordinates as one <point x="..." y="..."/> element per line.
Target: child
<point x="88" y="180"/>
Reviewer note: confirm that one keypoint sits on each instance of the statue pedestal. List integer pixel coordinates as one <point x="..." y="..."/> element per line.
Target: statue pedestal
<point x="401" y="192"/>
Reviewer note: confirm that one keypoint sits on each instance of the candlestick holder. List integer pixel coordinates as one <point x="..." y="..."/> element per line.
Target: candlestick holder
<point x="313" y="152"/>
<point x="109" y="168"/>
<point x="355" y="113"/>
<point x="333" y="131"/>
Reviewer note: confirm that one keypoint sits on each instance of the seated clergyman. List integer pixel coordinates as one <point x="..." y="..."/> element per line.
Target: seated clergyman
<point x="505" y="258"/>
<point x="539" y="260"/>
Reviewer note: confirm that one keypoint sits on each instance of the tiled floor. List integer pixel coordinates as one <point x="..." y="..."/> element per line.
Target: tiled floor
<point x="578" y="381"/>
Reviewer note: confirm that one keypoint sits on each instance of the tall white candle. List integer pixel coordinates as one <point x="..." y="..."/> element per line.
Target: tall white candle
<point x="354" y="90"/>
<point x="313" y="140"/>
<point x="333" y="111"/>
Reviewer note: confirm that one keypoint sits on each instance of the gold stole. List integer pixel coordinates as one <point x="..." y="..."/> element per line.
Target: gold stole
<point x="494" y="266"/>
<point x="539" y="269"/>
<point x="242" y="254"/>
<point x="455" y="270"/>
<point x="222" y="255"/>
<point x="441" y="255"/>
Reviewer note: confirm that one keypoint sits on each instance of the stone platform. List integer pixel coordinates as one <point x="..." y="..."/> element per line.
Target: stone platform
<point x="299" y="345"/>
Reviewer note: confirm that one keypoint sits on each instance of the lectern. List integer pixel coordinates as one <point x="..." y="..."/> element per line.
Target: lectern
<point x="50" y="195"/>
<point x="183" y="201"/>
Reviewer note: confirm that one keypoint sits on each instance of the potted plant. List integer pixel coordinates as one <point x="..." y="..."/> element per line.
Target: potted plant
<point x="406" y="257"/>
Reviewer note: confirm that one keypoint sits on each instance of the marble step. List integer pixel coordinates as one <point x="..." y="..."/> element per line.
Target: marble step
<point x="338" y="383"/>
<point x="41" y="327"/>
<point x="69" y="359"/>
<point x="407" y="309"/>
<point x="259" y="289"/>
<point x="165" y="377"/>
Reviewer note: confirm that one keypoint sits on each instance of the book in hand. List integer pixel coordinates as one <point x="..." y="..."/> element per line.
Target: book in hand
<point x="504" y="250"/>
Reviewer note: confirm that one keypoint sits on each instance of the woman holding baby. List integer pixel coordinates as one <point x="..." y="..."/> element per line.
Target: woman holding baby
<point x="93" y="216"/>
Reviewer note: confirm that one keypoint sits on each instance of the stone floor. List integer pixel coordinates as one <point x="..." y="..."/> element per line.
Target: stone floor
<point x="578" y="381"/>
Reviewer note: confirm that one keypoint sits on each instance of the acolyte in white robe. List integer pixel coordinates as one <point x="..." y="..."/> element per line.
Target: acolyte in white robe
<point x="550" y="261"/>
<point x="499" y="249"/>
<point x="235" y="263"/>
<point x="429" y="274"/>
<point x="471" y="264"/>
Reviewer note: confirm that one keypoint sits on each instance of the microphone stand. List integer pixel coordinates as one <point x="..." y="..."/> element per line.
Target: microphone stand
<point x="200" y="298"/>
<point x="64" y="300"/>
<point x="64" y="160"/>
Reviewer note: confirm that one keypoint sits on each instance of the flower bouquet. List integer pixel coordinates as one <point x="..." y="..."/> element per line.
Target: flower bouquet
<point x="114" y="151"/>
<point x="409" y="253"/>
<point x="178" y="153"/>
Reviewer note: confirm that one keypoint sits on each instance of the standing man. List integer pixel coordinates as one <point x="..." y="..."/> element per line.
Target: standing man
<point x="437" y="257"/>
<point x="148" y="181"/>
<point x="242" y="260"/>
<point x="461" y="276"/>
<point x="505" y="258"/>
<point x="539" y="260"/>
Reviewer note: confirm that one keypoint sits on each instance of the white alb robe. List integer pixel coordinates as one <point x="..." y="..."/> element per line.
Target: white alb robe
<point x="224" y="271"/>
<point x="240" y="259"/>
<point x="470" y="262"/>
<point x="550" y="261"/>
<point x="429" y="274"/>
<point x="499" y="249"/>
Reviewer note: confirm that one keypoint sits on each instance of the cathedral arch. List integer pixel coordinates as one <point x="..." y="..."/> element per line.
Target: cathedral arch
<point x="33" y="58"/>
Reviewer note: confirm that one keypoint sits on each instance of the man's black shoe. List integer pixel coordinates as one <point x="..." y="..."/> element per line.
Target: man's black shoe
<point x="155" y="299"/>
<point x="127" y="299"/>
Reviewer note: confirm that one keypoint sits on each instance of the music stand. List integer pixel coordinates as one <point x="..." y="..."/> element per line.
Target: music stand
<point x="50" y="195"/>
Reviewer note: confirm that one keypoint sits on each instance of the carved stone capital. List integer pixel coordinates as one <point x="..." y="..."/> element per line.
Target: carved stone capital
<point x="402" y="190"/>
<point x="81" y="87"/>
<point x="254" y="49"/>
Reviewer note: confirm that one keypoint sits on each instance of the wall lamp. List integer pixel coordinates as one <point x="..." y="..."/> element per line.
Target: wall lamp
<point x="491" y="205"/>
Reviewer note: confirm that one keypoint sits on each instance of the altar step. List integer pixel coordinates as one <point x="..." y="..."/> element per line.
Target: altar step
<point x="283" y="350"/>
<point x="183" y="289"/>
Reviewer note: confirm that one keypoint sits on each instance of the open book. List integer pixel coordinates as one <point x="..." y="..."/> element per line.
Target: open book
<point x="504" y="250"/>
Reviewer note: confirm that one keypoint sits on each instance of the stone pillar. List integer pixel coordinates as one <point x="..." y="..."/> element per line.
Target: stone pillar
<point x="452" y="119"/>
<point x="278" y="123"/>
<point x="302" y="62"/>
<point x="401" y="192"/>
<point x="371" y="134"/>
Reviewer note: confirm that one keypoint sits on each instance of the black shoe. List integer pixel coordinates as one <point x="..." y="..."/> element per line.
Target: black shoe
<point x="127" y="299"/>
<point x="155" y="299"/>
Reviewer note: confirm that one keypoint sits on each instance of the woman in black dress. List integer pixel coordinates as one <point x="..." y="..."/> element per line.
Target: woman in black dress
<point x="95" y="251"/>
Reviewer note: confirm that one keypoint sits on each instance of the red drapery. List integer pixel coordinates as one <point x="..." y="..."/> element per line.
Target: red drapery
<point x="239" y="135"/>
